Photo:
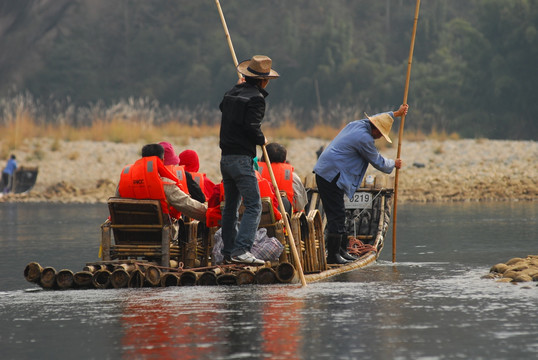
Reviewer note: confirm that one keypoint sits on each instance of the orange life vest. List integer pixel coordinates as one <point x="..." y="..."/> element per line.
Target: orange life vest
<point x="266" y="190"/>
<point x="283" y="175"/>
<point x="213" y="214"/>
<point x="179" y="172"/>
<point x="199" y="179"/>
<point x="142" y="180"/>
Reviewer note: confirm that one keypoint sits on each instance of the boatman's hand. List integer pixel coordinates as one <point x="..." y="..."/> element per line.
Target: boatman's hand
<point x="402" y="110"/>
<point x="398" y="163"/>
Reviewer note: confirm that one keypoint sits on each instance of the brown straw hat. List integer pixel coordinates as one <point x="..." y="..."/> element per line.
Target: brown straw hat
<point x="259" y="67"/>
<point x="383" y="123"/>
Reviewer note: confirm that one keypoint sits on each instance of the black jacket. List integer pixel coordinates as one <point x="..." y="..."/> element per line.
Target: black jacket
<point x="243" y="108"/>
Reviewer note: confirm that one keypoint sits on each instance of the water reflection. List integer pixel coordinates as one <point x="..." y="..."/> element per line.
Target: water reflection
<point x="282" y="327"/>
<point x="192" y="323"/>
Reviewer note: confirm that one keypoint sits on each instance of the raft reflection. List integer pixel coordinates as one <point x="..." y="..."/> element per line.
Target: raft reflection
<point x="211" y="322"/>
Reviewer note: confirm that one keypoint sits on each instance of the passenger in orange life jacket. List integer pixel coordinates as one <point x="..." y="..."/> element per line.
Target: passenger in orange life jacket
<point x="148" y="178"/>
<point x="214" y="214"/>
<point x="286" y="179"/>
<point x="172" y="161"/>
<point x="189" y="159"/>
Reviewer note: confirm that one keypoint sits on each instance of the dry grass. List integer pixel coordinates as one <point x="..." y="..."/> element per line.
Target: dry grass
<point x="23" y="117"/>
<point x="433" y="135"/>
<point x="127" y="131"/>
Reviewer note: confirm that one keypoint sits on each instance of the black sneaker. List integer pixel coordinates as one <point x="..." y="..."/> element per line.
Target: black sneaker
<point x="225" y="261"/>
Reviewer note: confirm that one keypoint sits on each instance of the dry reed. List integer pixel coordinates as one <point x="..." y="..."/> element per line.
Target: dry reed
<point x="132" y="120"/>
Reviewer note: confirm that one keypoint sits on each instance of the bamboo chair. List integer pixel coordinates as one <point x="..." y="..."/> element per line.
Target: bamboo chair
<point x="139" y="230"/>
<point x="299" y="228"/>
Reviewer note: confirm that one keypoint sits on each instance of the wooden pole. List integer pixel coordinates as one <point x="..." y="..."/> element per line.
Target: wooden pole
<point x="228" y="37"/>
<point x="286" y="222"/>
<point x="400" y="133"/>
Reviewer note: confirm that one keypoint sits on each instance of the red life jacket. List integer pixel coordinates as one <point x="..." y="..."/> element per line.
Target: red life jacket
<point x="142" y="180"/>
<point x="266" y="190"/>
<point x="199" y="179"/>
<point x="179" y="172"/>
<point x="213" y="214"/>
<point x="283" y="175"/>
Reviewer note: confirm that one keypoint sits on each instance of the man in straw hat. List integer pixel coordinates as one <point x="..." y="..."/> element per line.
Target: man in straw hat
<point x="243" y="109"/>
<point x="341" y="168"/>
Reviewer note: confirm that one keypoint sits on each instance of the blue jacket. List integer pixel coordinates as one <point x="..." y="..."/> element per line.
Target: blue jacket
<point x="349" y="154"/>
<point x="10" y="167"/>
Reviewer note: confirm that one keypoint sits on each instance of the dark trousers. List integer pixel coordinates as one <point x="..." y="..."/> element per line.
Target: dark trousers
<point x="332" y="198"/>
<point x="6" y="182"/>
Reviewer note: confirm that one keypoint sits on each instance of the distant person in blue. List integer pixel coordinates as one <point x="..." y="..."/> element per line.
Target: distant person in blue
<point x="7" y="174"/>
<point x="341" y="168"/>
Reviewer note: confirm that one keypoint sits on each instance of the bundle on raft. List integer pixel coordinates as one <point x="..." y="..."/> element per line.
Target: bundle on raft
<point x="515" y="270"/>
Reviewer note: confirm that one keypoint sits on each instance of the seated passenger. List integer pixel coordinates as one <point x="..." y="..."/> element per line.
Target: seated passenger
<point x="171" y="161"/>
<point x="148" y="178"/>
<point x="286" y="179"/>
<point x="266" y="190"/>
<point x="189" y="159"/>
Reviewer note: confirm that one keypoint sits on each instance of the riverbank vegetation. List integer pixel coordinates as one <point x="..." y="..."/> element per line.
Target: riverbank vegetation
<point x="474" y="70"/>
<point x="140" y="120"/>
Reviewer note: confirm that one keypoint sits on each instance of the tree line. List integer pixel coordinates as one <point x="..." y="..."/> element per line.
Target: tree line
<point x="474" y="67"/>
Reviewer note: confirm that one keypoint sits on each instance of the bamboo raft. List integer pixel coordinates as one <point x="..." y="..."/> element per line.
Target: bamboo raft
<point x="136" y="248"/>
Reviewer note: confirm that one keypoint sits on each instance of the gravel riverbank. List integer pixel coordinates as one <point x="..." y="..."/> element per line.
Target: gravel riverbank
<point x="450" y="170"/>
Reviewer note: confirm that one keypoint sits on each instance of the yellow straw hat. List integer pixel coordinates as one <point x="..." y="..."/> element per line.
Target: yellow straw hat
<point x="258" y="67"/>
<point x="383" y="123"/>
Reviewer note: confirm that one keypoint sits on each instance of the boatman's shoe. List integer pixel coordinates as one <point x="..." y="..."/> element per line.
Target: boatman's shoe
<point x="347" y="255"/>
<point x="333" y="250"/>
<point x="247" y="258"/>
<point x="344" y="242"/>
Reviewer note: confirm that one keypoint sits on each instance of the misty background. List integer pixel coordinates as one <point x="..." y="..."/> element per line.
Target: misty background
<point x="474" y="67"/>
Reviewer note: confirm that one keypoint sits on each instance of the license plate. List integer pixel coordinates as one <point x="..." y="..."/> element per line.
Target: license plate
<point x="360" y="200"/>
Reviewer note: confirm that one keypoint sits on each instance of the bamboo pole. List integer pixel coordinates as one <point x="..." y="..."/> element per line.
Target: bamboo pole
<point x="266" y="276"/>
<point x="245" y="277"/>
<point x="362" y="262"/>
<point x="136" y="280"/>
<point x="188" y="278"/>
<point x="32" y="272"/>
<point x="286" y="222"/>
<point x="285" y="273"/>
<point x="169" y="279"/>
<point x="400" y="132"/>
<point x="228" y="37"/>
<point x="83" y="279"/>
<point x="119" y="278"/>
<point x="64" y="279"/>
<point x="207" y="278"/>
<point x="48" y="278"/>
<point x="227" y="279"/>
<point x="101" y="279"/>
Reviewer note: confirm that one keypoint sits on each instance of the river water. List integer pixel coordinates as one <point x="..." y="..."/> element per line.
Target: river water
<point x="430" y="304"/>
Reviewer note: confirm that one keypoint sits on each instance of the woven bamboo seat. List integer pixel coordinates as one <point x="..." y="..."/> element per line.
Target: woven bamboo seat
<point x="139" y="230"/>
<point x="299" y="229"/>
